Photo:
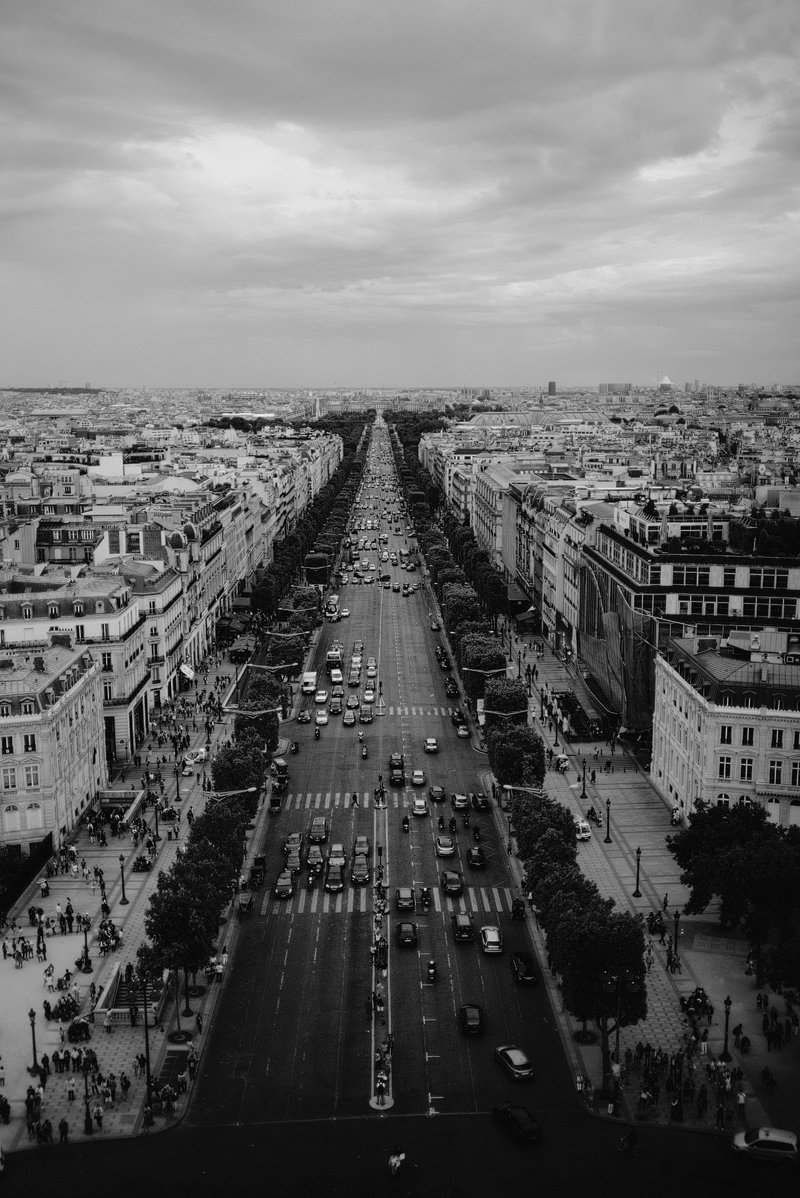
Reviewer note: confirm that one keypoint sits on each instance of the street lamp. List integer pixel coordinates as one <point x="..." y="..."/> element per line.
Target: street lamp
<point x="676" y="919"/>
<point x="123" y="901"/>
<point x="637" y="892"/>
<point x="155" y="808"/>
<point x="87" y="1114"/>
<point x="607" y="839"/>
<point x="86" y="964"/>
<point x="725" y="1055"/>
<point x="583" y="791"/>
<point x="625" y="977"/>
<point x="35" y="1066"/>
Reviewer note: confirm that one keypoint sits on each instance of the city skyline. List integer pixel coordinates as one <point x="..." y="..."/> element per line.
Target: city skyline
<point x="334" y="195"/>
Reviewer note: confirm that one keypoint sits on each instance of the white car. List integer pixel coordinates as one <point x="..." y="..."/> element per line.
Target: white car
<point x="345" y="612"/>
<point x="491" y="939"/>
<point x="419" y="807"/>
<point x="321" y="697"/>
<point x="372" y="671"/>
<point x="321" y="717"/>
<point x="418" y="778"/>
<point x="369" y="695"/>
<point x="583" y="831"/>
<point x="431" y="745"/>
<point x="463" y="731"/>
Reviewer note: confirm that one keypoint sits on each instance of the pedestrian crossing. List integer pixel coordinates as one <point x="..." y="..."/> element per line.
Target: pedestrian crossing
<point x="399" y="797"/>
<point x="480" y="901"/>
<point x="422" y="711"/>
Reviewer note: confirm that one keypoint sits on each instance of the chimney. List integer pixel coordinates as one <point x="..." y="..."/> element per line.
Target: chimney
<point x="38" y="664"/>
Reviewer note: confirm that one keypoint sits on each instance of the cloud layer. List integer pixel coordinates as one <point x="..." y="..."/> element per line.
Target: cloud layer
<point x="313" y="192"/>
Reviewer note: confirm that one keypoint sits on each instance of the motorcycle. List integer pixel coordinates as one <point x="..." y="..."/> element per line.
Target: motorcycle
<point x="316" y="734"/>
<point x="466" y="821"/>
<point x="440" y="823"/>
<point x="364" y="753"/>
<point x="312" y="880"/>
<point x="476" y="833"/>
<point x="424" y="897"/>
<point x="295" y="747"/>
<point x="593" y="817"/>
<point x="406" y="824"/>
<point x="431" y="971"/>
<point x="452" y="826"/>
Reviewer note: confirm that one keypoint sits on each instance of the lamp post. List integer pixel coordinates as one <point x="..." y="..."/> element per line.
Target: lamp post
<point x="676" y="920"/>
<point x="725" y="1055"/>
<point x="123" y="901"/>
<point x="617" y="980"/>
<point x="35" y="1066"/>
<point x="87" y="1114"/>
<point x="155" y="808"/>
<point x="519" y="664"/>
<point x="86" y="964"/>
<point x="637" y="892"/>
<point x="583" y="790"/>
<point x="541" y="704"/>
<point x="607" y="839"/>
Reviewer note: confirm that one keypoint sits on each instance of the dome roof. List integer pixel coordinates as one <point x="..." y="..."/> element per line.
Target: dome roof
<point x="177" y="540"/>
<point x="190" y="531"/>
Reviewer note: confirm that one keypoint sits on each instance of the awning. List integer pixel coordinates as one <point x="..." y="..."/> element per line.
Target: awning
<point x="525" y="616"/>
<point x="515" y="594"/>
<point x="187" y="671"/>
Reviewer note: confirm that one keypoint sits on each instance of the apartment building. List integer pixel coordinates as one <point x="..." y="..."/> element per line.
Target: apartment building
<point x="51" y="736"/>
<point x="726" y="722"/>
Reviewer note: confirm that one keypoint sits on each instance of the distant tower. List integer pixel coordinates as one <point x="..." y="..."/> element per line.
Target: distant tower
<point x="551" y="388"/>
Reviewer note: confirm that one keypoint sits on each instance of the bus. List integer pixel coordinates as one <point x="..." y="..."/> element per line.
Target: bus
<point x="332" y="608"/>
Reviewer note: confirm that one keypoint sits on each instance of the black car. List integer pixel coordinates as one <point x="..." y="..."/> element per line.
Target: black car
<point x="457" y="716"/>
<point x="470" y="1016"/>
<point x="518" y="1122"/>
<point x="436" y="794"/>
<point x="406" y="935"/>
<point x="404" y="898"/>
<point x="451" y="883"/>
<point x="463" y="931"/>
<point x="523" y="969"/>
<point x="479" y="801"/>
<point x="476" y="858"/>
<point x="451" y="689"/>
<point x="304" y="716"/>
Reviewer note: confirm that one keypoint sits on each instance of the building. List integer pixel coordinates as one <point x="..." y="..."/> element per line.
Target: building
<point x="726" y="722"/>
<point x="52" y="762"/>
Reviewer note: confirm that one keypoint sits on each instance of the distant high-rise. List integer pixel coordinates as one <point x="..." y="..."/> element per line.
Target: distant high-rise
<point x="551" y="388"/>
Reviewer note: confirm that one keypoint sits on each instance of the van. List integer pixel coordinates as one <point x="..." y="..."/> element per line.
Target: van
<point x="337" y="677"/>
<point x="309" y="682"/>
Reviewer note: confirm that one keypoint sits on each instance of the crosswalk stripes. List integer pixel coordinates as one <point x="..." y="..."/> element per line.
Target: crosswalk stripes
<point x="479" y="901"/>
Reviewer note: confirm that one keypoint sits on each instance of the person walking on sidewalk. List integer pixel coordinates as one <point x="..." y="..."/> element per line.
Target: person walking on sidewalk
<point x="63" y="1131"/>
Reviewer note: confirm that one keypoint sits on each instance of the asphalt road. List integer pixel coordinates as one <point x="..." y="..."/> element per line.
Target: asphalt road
<point x="283" y="1100"/>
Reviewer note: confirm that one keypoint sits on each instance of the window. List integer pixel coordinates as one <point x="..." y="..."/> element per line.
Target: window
<point x="748" y="736"/>
<point x="726" y="734"/>
<point x="723" y="800"/>
<point x="796" y="744"/>
<point x="78" y="609"/>
<point x="32" y="777"/>
<point x="5" y="710"/>
<point x="724" y="767"/>
<point x="107" y="662"/>
<point x="8" y="778"/>
<point x="729" y="577"/>
<point x="11" y="819"/>
<point x="27" y="611"/>
<point x="796" y="773"/>
<point x="27" y="707"/>
<point x="108" y="690"/>
<point x="52" y="611"/>
<point x="746" y="769"/>
<point x="767" y="578"/>
<point x="775" y="772"/>
<point x="29" y="742"/>
<point x="776" y="739"/>
<point x="56" y="531"/>
<point x="6" y="745"/>
<point x="80" y="632"/>
<point x="105" y="632"/>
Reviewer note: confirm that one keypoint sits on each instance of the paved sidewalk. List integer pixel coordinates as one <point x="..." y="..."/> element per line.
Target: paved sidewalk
<point x="24" y="989"/>
<point x="711" y="959"/>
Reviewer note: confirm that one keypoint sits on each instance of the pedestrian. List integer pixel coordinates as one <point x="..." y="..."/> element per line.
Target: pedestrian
<point x="198" y="1022"/>
<point x="98" y="1116"/>
<point x="665" y="902"/>
<point x="395" y="1161"/>
<point x="63" y="1131"/>
<point x="704" y="1043"/>
<point x="124" y="1085"/>
<point x="741" y="1100"/>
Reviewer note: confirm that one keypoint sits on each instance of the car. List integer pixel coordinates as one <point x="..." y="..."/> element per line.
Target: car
<point x="451" y="689"/>
<point x="284" y="887"/>
<point x="359" y="874"/>
<point x="396" y="587"/>
<point x="476" y="858"/>
<point x="365" y="715"/>
<point x="355" y="580"/>
<point x="321" y="697"/>
<point x="523" y="969"/>
<point x="418" y="778"/>
<point x="459" y="802"/>
<point x="479" y="801"/>
<point x="419" y="807"/>
<point x="463" y="931"/>
<point x="345" y="613"/>
<point x="369" y="580"/>
<point x="372" y="663"/>
<point x="431" y="744"/>
<point x="470" y="1017"/>
<point x="354" y="678"/>
<point x="335" y="707"/>
<point x="445" y="846"/>
<point x="434" y="625"/>
<point x="197" y="756"/>
<point x="315" y="859"/>
<point x="361" y="846"/>
<point x="457" y="716"/>
<point x="369" y="694"/>
<point x="304" y="716"/>
<point x="293" y="843"/>
<point x="337" y="691"/>
<point x="491" y="939"/>
<point x="518" y="1122"/>
<point x="372" y="671"/>
<point x="767" y="1144"/>
<point x="444" y="664"/>
<point x="405" y="899"/>
<point x="515" y="1062"/>
<point x="463" y="731"/>
<point x="349" y="718"/>
<point x="436" y="794"/>
<point x="334" y="879"/>
<point x="353" y="702"/>
<point x="406" y="935"/>
<point x="336" y="854"/>
<point x="451" y="883"/>
<point x="583" y="831"/>
<point x="318" y="832"/>
<point x="293" y="862"/>
<point x="355" y="662"/>
<point x="358" y="646"/>
<point x="321" y="717"/>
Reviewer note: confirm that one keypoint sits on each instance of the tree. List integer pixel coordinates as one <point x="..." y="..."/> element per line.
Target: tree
<point x="505" y="695"/>
<point x="238" y="767"/>
<point x="516" y="756"/>
<point x="532" y="817"/>
<point x="181" y="922"/>
<point x="481" y="657"/>
<point x="459" y="603"/>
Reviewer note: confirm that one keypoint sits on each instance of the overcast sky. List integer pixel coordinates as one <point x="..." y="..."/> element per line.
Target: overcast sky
<point x="433" y="192"/>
